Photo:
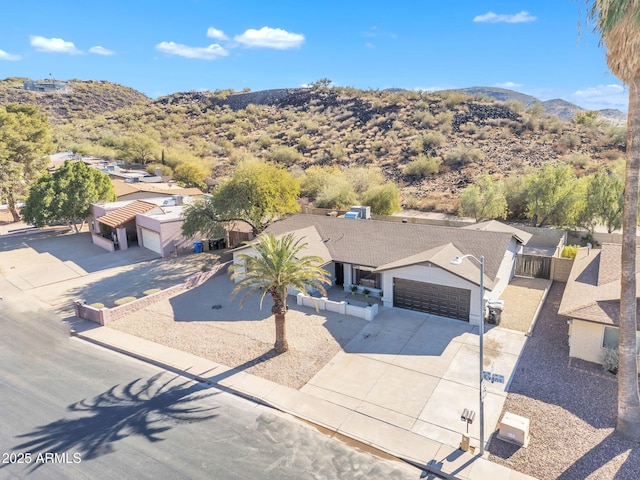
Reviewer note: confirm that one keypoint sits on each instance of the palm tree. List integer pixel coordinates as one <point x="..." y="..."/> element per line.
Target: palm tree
<point x="618" y="22"/>
<point x="274" y="268"/>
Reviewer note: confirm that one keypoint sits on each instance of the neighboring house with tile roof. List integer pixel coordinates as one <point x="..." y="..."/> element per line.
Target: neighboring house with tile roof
<point x="155" y="224"/>
<point x="408" y="265"/>
<point x="591" y="301"/>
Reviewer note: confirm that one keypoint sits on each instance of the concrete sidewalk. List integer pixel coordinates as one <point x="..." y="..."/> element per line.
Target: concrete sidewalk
<point x="430" y="455"/>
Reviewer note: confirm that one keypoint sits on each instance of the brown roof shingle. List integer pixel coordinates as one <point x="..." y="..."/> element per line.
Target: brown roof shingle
<point x="375" y="243"/>
<point x="593" y="288"/>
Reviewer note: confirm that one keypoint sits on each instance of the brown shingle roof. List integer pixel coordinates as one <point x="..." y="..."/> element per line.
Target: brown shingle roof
<point x="375" y="243"/>
<point x="123" y="215"/>
<point x="593" y="288"/>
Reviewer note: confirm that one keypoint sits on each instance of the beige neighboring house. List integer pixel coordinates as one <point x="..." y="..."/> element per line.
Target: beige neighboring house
<point x="140" y="190"/>
<point x="408" y="265"/>
<point x="591" y="302"/>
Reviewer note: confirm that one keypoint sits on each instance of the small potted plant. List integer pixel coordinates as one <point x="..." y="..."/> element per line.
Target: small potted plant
<point x="354" y="289"/>
<point x="366" y="292"/>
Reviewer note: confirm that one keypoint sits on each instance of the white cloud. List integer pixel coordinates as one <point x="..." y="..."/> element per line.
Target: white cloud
<point x="212" y="52"/>
<point x="491" y="17"/>
<point x="507" y="85"/>
<point x="268" y="37"/>
<point x="9" y="57"/>
<point x="369" y="45"/>
<point x="602" y="96"/>
<point x="217" y="34"/>
<point x="98" y="50"/>
<point x="53" y="45"/>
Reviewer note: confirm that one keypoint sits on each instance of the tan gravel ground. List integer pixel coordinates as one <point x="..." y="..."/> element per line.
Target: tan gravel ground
<point x="521" y="298"/>
<point x="572" y="409"/>
<point x="248" y="344"/>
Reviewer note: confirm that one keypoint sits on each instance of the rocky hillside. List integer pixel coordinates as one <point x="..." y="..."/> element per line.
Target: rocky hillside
<point x="430" y="144"/>
<point x="83" y="99"/>
<point x="558" y="107"/>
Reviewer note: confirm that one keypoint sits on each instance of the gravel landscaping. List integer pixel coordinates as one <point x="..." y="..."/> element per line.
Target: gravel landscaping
<point x="572" y="409"/>
<point x="247" y="342"/>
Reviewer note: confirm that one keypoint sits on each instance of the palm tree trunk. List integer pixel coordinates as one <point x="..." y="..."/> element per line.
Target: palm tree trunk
<point x="628" y="424"/>
<point x="279" y="309"/>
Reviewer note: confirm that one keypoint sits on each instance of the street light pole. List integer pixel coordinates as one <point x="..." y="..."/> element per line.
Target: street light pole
<point x="458" y="261"/>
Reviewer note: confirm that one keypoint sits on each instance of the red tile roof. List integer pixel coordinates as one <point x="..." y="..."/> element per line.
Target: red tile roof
<point x="122" y="215"/>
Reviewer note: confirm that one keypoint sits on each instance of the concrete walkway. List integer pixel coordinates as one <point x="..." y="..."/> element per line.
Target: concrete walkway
<point x="429" y="454"/>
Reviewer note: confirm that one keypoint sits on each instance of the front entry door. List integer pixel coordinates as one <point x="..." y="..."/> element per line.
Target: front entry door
<point x="339" y="274"/>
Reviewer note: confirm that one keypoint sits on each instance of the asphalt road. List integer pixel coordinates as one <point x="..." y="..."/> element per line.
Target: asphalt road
<point x="70" y="410"/>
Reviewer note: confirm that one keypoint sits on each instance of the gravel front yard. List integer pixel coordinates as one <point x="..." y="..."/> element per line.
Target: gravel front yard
<point x="248" y="344"/>
<point x="572" y="409"/>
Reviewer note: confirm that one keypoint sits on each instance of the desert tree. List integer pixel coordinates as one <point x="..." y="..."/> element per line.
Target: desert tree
<point x="66" y="196"/>
<point x="25" y="142"/>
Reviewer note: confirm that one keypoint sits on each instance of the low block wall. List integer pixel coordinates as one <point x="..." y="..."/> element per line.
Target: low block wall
<point x="561" y="268"/>
<point x="343" y="308"/>
<point x="105" y="315"/>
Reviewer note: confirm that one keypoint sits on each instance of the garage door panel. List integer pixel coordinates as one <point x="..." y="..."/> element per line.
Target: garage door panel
<point x="151" y="240"/>
<point x="431" y="298"/>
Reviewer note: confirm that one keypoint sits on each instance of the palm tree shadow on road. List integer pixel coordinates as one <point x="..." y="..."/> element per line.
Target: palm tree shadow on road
<point x="144" y="408"/>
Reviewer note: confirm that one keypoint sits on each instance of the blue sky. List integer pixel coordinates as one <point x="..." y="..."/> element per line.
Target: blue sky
<point x="161" y="47"/>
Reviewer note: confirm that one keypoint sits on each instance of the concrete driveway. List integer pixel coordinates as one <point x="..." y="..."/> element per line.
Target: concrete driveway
<point x="419" y="372"/>
<point x="58" y="267"/>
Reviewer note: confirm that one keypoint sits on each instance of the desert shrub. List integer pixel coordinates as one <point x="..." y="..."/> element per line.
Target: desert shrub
<point x="337" y="152"/>
<point x="337" y="194"/>
<point x="579" y="160"/>
<point x="285" y="155"/>
<point x="462" y="155"/>
<point x="383" y="199"/>
<point x="569" y="251"/>
<point x="588" y="118"/>
<point x="190" y="173"/>
<point x="570" y="140"/>
<point x="304" y="142"/>
<point x="483" y="133"/>
<point x="452" y="98"/>
<point x="264" y="141"/>
<point x="609" y="360"/>
<point x="363" y="178"/>
<point x="316" y="178"/>
<point x="515" y="106"/>
<point x="123" y="300"/>
<point x="423" y="166"/>
<point x="469" y="128"/>
<point x="617" y="136"/>
<point x="411" y="202"/>
<point x="424" y="118"/>
<point x="444" y="118"/>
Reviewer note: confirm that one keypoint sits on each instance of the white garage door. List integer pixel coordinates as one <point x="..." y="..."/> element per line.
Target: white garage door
<point x="151" y="240"/>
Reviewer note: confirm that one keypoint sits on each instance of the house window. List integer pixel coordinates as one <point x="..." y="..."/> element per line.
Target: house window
<point x="366" y="277"/>
<point x="610" y="338"/>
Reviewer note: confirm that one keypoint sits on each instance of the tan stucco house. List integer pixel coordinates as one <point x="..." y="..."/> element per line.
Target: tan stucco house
<point x="591" y="302"/>
<point x="409" y="265"/>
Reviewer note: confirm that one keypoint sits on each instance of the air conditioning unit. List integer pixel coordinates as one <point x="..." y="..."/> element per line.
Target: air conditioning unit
<point x="514" y="429"/>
